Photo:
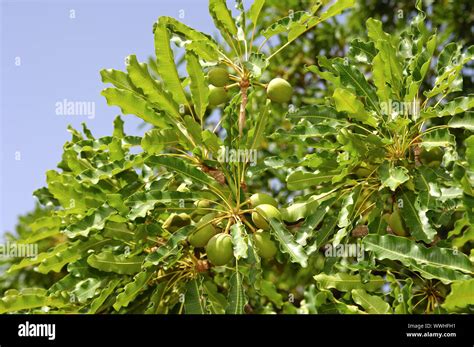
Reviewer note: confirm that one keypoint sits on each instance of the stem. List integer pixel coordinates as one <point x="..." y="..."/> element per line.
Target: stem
<point x="244" y="86"/>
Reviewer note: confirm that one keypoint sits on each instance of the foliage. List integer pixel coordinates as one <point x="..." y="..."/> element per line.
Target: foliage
<point x="374" y="155"/>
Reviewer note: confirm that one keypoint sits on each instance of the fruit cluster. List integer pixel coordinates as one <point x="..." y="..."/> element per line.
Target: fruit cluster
<point x="209" y="231"/>
<point x="278" y="89"/>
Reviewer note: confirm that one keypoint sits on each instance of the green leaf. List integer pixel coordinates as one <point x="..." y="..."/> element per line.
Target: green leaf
<point x="312" y="221"/>
<point x="441" y="263"/>
<point x="216" y="301"/>
<point x="86" y="289"/>
<point x="94" y="221"/>
<point x="461" y="295"/>
<point x="470" y="151"/>
<point x="165" y="64"/>
<point x="269" y="290"/>
<point x="172" y="247"/>
<point x="237" y="231"/>
<point x="371" y="303"/>
<point x="353" y="78"/>
<point x="199" y="87"/>
<point x="299" y="180"/>
<point x="194" y="302"/>
<point x="105" y="293"/>
<point x="133" y="289"/>
<point x="26" y="299"/>
<point x="118" y="78"/>
<point x="415" y="218"/>
<point x="55" y="261"/>
<point x="287" y="243"/>
<point x="348" y="102"/>
<point x="236" y="299"/>
<point x="255" y="10"/>
<point x="392" y="177"/>
<point x="156" y="140"/>
<point x="223" y="19"/>
<point x="141" y="78"/>
<point x="458" y="105"/>
<point x="438" y="138"/>
<point x="345" y="282"/>
<point x="463" y="122"/>
<point x="362" y="52"/>
<point x="121" y="264"/>
<point x="130" y="103"/>
<point x="179" y="166"/>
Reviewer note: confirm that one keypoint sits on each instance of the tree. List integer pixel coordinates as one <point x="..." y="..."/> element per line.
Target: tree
<point x="375" y="204"/>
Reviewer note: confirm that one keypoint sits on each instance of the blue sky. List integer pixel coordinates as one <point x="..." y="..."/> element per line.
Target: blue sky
<point x="47" y="57"/>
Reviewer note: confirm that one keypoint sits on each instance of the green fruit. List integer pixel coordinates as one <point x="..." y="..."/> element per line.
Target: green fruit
<point x="220" y="249"/>
<point x="217" y="96"/>
<point x="395" y="223"/>
<point x="262" y="198"/>
<point x="363" y="172"/>
<point x="202" y="206"/>
<point x="203" y="231"/>
<point x="218" y="76"/>
<point x="176" y="221"/>
<point x="263" y="213"/>
<point x="279" y="90"/>
<point x="265" y="246"/>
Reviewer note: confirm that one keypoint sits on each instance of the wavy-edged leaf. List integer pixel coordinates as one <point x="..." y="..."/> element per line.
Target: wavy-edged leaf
<point x="438" y="138"/>
<point x="170" y="249"/>
<point x="451" y="108"/>
<point x="194" y="301"/>
<point x="415" y="218"/>
<point x="166" y="66"/>
<point x="179" y="166"/>
<point x="130" y="103"/>
<point x="346" y="101"/>
<point x="442" y="263"/>
<point x="312" y="221"/>
<point x="105" y="294"/>
<point x="26" y="299"/>
<point x="461" y="295"/>
<point x="237" y="231"/>
<point x="464" y="122"/>
<point x="216" y="302"/>
<point x="299" y="180"/>
<point x="133" y="289"/>
<point x="73" y="252"/>
<point x="94" y="221"/>
<point x="371" y="303"/>
<point x="392" y="176"/>
<point x="236" y="299"/>
<point x="142" y="202"/>
<point x="223" y="18"/>
<point x="121" y="264"/>
<point x="141" y="78"/>
<point x="198" y="86"/>
<point x="287" y="243"/>
<point x="345" y="282"/>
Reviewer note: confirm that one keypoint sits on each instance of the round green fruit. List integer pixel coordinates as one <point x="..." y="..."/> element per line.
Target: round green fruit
<point x="262" y="198"/>
<point x="218" y="76"/>
<point x="176" y="221"/>
<point x="265" y="246"/>
<point x="279" y="90"/>
<point x="202" y="206"/>
<point x="217" y="96"/>
<point x="263" y="213"/>
<point x="203" y="231"/>
<point x="395" y="223"/>
<point x="219" y="249"/>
